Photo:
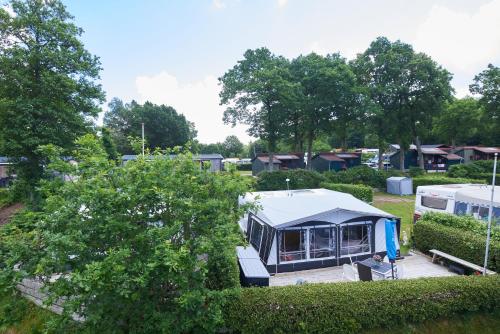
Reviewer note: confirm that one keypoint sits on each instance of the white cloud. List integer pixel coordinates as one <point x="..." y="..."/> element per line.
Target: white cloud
<point x="282" y="3"/>
<point x="198" y="101"/>
<point x="461" y="41"/>
<point x="219" y="4"/>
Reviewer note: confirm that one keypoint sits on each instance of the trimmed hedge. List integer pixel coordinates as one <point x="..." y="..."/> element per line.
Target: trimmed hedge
<point x="467" y="245"/>
<point x="359" y="191"/>
<point x="429" y="180"/>
<point x="357" y="306"/>
<point x="362" y="175"/>
<point x="480" y="170"/>
<point x="299" y="179"/>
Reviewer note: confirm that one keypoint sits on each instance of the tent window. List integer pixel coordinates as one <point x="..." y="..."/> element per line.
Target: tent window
<point x="322" y="242"/>
<point x="434" y="202"/>
<point x="256" y="234"/>
<point x="355" y="239"/>
<point x="480" y="212"/>
<point x="461" y="208"/>
<point x="292" y="245"/>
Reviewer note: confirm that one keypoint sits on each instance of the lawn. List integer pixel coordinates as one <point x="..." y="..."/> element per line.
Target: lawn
<point x="400" y="206"/>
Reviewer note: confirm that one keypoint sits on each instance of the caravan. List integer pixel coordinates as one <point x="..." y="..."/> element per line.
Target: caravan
<point x="458" y="199"/>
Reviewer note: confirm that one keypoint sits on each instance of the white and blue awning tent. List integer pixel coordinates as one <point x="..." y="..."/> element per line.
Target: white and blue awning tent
<point x="312" y="228"/>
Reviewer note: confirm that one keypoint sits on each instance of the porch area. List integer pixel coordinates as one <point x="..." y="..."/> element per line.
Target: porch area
<point x="416" y="265"/>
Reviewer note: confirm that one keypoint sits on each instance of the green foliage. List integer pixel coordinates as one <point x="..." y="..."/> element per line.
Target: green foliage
<point x="147" y="245"/>
<point x="433" y="233"/>
<point x="48" y="83"/>
<point x="246" y="167"/>
<point x="108" y="144"/>
<point x="357" y="306"/>
<point x="429" y="180"/>
<point x="361" y="175"/>
<point x="416" y="171"/>
<point x="359" y="191"/>
<point x="299" y="179"/>
<point x="480" y="170"/>
<point x="164" y="127"/>
<point x="5" y="197"/>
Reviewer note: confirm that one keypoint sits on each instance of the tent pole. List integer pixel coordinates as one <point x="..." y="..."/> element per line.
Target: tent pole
<point x="490" y="212"/>
<point x="392" y="269"/>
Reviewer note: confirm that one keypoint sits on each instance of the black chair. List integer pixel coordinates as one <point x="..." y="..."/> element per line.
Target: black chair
<point x="365" y="273"/>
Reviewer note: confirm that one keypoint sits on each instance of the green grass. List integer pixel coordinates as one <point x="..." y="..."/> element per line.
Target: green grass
<point x="404" y="210"/>
<point x="473" y="323"/>
<point x="19" y="316"/>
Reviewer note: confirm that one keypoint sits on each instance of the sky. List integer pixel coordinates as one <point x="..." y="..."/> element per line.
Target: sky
<point x="173" y="51"/>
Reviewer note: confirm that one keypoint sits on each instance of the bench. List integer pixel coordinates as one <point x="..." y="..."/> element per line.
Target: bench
<point x="436" y="253"/>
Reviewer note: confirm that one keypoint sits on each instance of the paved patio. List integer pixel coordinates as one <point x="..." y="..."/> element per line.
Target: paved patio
<point x="415" y="265"/>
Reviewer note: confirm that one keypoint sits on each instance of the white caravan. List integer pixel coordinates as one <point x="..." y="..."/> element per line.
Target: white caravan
<point x="458" y="199"/>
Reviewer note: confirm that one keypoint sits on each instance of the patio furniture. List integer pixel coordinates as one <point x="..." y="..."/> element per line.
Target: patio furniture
<point x="349" y="273"/>
<point x="464" y="263"/>
<point x="382" y="269"/>
<point x="365" y="272"/>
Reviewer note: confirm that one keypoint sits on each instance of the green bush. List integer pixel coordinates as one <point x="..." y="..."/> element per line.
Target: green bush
<point x="357" y="306"/>
<point x="466" y="223"/>
<point x="416" y="171"/>
<point x="299" y="179"/>
<point x="359" y="191"/>
<point x="428" y="180"/>
<point x="481" y="170"/>
<point x="362" y="175"/>
<point x="467" y="245"/>
<point x="244" y="167"/>
<point x="5" y="197"/>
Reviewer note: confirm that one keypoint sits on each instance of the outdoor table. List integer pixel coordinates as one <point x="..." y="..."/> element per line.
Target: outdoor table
<point x="382" y="269"/>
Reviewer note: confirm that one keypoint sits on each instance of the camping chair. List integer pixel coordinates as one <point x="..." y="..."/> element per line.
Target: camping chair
<point x="349" y="273"/>
<point x="365" y="273"/>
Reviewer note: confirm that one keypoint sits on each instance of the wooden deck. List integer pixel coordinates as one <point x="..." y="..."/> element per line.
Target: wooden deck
<point x="416" y="265"/>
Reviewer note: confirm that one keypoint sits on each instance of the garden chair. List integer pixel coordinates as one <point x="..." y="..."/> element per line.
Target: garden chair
<point x="349" y="273"/>
<point x="365" y="273"/>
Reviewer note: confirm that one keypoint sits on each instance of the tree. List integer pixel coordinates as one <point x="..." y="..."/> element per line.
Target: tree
<point x="142" y="248"/>
<point x="108" y="144"/>
<point x="407" y="90"/>
<point x="459" y="122"/>
<point x="211" y="148"/>
<point x="48" y="89"/>
<point x="487" y="85"/>
<point x="164" y="127"/>
<point x="258" y="91"/>
<point x="232" y="147"/>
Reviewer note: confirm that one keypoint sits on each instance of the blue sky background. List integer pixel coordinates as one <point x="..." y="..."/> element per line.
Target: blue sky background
<point x="172" y="52"/>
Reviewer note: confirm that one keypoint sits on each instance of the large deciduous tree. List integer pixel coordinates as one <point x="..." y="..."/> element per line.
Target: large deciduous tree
<point x="232" y="147"/>
<point x="258" y="91"/>
<point x="48" y="86"/>
<point x="142" y="248"/>
<point x="407" y="89"/>
<point x="487" y="85"/>
<point x="164" y="127"/>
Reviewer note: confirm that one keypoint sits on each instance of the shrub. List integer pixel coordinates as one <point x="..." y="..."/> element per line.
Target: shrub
<point x="467" y="245"/>
<point x="245" y="167"/>
<point x="416" y="171"/>
<point x="428" y="180"/>
<point x="362" y="175"/>
<point x="299" y="179"/>
<point x="359" y="191"/>
<point x="357" y="306"/>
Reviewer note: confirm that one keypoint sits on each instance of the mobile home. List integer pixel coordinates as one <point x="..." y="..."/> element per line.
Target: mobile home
<point x="458" y="199"/>
<point x="313" y="228"/>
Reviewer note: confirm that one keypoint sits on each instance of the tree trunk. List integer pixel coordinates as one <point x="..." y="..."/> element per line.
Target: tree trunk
<point x="380" y="155"/>
<point x="419" y="152"/>
<point x="310" y="139"/>
<point x="453" y="143"/>
<point x="401" y="157"/>
<point x="271" y="161"/>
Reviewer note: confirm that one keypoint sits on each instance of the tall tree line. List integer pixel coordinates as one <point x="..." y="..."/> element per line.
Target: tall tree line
<point x="387" y="94"/>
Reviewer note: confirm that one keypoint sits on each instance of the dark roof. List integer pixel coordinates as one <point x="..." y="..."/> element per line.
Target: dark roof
<point x="332" y="156"/>
<point x="434" y="146"/>
<point x="287" y="157"/>
<point x="432" y="151"/>
<point x="451" y="156"/>
<point x="265" y="159"/>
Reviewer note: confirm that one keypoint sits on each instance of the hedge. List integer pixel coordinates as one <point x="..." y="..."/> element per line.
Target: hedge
<point x="467" y="245"/>
<point x="362" y="175"/>
<point x="359" y="191"/>
<point x="481" y="170"/>
<point x="433" y="180"/>
<point x="357" y="306"/>
<point x="299" y="179"/>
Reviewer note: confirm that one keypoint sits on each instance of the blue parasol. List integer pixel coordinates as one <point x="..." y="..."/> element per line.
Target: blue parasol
<point x="390" y="242"/>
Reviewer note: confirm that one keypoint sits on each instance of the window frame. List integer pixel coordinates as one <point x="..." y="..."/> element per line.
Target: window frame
<point x="370" y="232"/>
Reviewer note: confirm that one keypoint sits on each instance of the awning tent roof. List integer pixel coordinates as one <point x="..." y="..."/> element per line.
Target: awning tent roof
<point x="284" y="208"/>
